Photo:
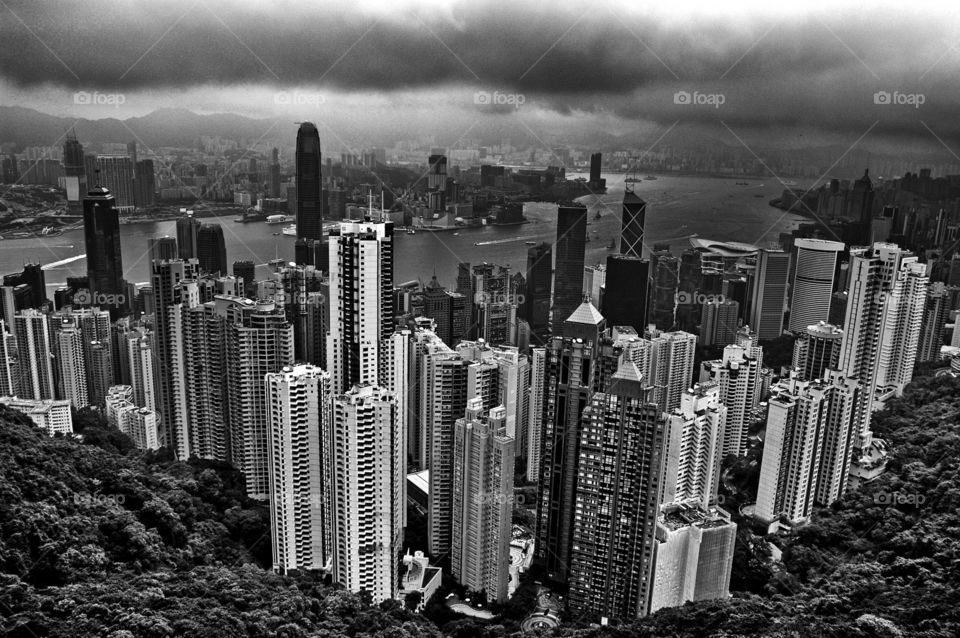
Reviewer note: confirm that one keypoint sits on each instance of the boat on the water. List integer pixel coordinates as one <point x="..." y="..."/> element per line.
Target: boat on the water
<point x="290" y="230"/>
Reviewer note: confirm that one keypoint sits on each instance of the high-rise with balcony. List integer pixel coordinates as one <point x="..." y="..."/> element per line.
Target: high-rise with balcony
<point x="483" y="455"/>
<point x="816" y="349"/>
<point x="884" y="314"/>
<point x="807" y="446"/>
<point x="299" y="413"/>
<point x="72" y="364"/>
<point x="35" y="361"/>
<point x="361" y="302"/>
<point x="618" y="476"/>
<point x="364" y="475"/>
<point x="693" y="450"/>
<point x="737" y="376"/>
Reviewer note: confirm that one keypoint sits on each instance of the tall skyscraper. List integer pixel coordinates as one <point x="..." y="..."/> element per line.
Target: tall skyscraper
<point x="365" y="475"/>
<point x="881" y="329"/>
<point x="719" y="322"/>
<point x="309" y="187"/>
<point x="74" y="173"/>
<point x="299" y="416"/>
<point x="211" y="249"/>
<point x="633" y="216"/>
<point x="666" y="284"/>
<point x="625" y="291"/>
<point x="101" y="231"/>
<point x="275" y="173"/>
<point x="539" y="281"/>
<point x="571" y="365"/>
<point x="694" y="441"/>
<point x="813" y="281"/>
<point x="72" y="364"/>
<point x="483" y="454"/>
<point x="807" y="446"/>
<point x="618" y="472"/>
<point x="139" y="353"/>
<point x="361" y="301"/>
<point x="35" y="360"/>
<point x="168" y="375"/>
<point x="935" y="314"/>
<point x="817" y="349"/>
<point x="568" y="273"/>
<point x="259" y="341"/>
<point x="538" y="380"/>
<point x="116" y="175"/>
<point x="669" y="366"/>
<point x="188" y="228"/>
<point x="769" y="294"/>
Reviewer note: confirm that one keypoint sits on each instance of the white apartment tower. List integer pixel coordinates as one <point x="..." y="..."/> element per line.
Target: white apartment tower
<point x="694" y="438"/>
<point x="364" y="474"/>
<point x="299" y="406"/>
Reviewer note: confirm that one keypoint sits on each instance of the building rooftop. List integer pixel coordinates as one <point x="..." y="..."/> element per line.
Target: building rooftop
<point x="586" y="313"/>
<point x="689" y="513"/>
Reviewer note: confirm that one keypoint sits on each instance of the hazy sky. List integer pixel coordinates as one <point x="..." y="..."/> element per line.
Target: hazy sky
<point x="820" y="72"/>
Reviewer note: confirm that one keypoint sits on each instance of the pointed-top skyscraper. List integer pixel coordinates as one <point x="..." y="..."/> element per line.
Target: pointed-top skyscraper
<point x="309" y="193"/>
<point x="101" y="232"/>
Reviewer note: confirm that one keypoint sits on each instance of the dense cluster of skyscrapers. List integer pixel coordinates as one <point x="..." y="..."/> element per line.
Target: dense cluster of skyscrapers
<point x="325" y="384"/>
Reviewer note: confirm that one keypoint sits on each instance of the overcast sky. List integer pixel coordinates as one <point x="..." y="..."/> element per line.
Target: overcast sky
<point x="813" y="70"/>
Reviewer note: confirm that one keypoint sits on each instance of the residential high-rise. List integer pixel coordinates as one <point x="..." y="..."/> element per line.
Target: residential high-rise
<point x="632" y="222"/>
<point x="625" y="291"/>
<point x="188" y="229"/>
<point x="168" y="376"/>
<point x="738" y="377"/>
<point x="8" y="378"/>
<point x="101" y="231"/>
<point x="449" y="311"/>
<point x="139" y="353"/>
<point x="618" y="474"/>
<point x="309" y="187"/>
<point x="365" y="475"/>
<point x="719" y="322"/>
<point x="807" y="446"/>
<point x="444" y="397"/>
<point x="99" y="370"/>
<point x="538" y="380"/>
<point x="817" y="349"/>
<point x="669" y="368"/>
<point x="769" y="294"/>
<point x="568" y="272"/>
<point x="539" y="281"/>
<point x="483" y="454"/>
<point x="571" y="365"/>
<point x="881" y="329"/>
<point x="813" y="282"/>
<point x="694" y="440"/>
<point x="935" y="314"/>
<point x="361" y="301"/>
<point x="258" y="341"/>
<point x="211" y="249"/>
<point x="35" y="360"/>
<point x="72" y="364"/>
<point x="299" y="416"/>
<point x="694" y="555"/>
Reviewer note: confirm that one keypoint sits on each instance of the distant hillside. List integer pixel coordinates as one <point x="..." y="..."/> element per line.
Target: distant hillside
<point x="164" y="127"/>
